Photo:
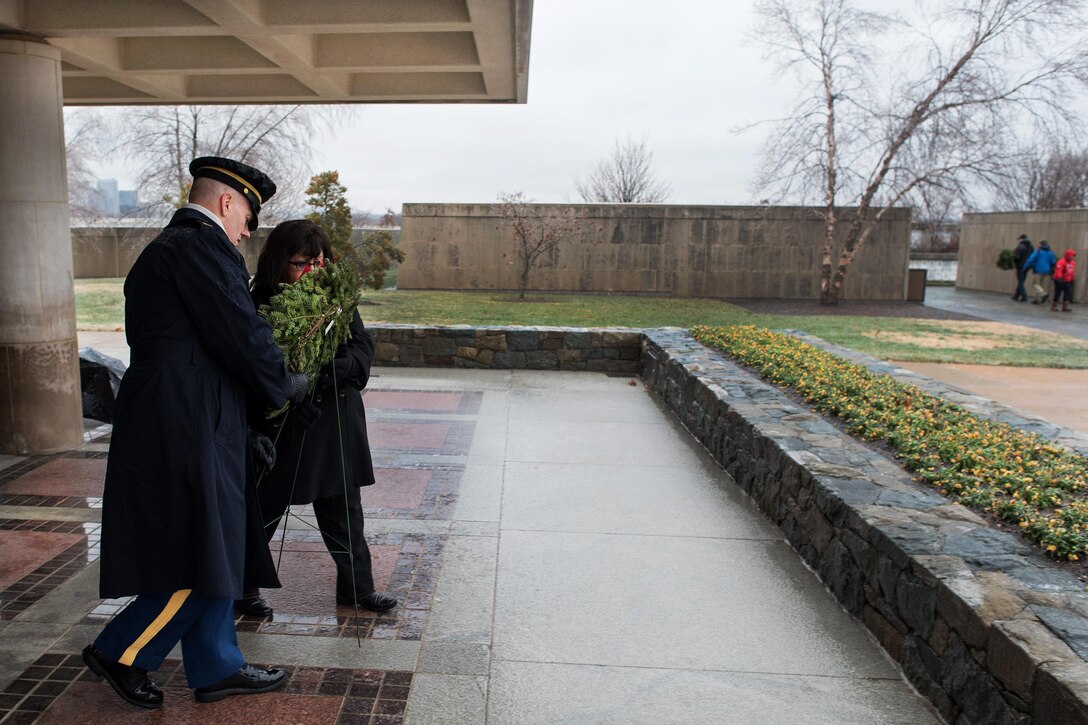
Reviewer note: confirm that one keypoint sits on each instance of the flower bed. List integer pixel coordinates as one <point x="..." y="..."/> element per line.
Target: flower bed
<point x="991" y="467"/>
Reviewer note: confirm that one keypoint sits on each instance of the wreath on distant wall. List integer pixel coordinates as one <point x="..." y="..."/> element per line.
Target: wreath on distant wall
<point x="1006" y="259"/>
<point x="311" y="318"/>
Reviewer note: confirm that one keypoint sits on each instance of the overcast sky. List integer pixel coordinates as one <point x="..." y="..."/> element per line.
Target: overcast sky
<point x="684" y="75"/>
<point x="680" y="74"/>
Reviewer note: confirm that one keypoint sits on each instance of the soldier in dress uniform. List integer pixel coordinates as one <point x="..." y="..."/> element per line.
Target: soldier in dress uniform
<point x="174" y="527"/>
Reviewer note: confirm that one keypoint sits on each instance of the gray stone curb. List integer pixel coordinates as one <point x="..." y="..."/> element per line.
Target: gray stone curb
<point x="984" y="626"/>
<point x="608" y="350"/>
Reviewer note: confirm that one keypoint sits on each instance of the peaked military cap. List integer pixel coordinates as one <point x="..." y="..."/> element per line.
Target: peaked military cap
<point x="251" y="182"/>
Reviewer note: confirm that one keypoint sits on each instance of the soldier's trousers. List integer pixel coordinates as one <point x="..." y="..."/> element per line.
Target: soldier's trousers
<point x="143" y="633"/>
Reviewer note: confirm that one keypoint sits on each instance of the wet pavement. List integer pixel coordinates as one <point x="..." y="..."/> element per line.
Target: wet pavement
<point x="1000" y="307"/>
<point x="562" y="550"/>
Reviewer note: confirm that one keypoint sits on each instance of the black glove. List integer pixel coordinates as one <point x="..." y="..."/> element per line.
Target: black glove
<point x="306" y="413"/>
<point x="261" y="450"/>
<point x="300" y="385"/>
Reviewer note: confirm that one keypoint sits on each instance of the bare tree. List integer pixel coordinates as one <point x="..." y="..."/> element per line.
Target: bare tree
<point x="162" y="140"/>
<point x="1050" y="176"/>
<point x="535" y="233"/>
<point x="875" y="128"/>
<point x="1059" y="181"/>
<point x="84" y="140"/>
<point x="936" y="214"/>
<point x="625" y="176"/>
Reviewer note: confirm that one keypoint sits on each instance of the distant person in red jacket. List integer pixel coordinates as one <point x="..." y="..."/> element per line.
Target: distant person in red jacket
<point x="1064" y="273"/>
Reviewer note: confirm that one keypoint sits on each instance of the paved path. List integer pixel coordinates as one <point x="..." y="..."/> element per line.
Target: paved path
<point x="564" y="551"/>
<point x="1054" y="394"/>
<point x="1001" y="308"/>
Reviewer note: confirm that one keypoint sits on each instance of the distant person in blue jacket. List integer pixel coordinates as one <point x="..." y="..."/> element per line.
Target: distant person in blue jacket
<point x="1041" y="262"/>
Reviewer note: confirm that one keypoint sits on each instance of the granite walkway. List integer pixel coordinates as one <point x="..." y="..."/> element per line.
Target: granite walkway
<point x="563" y="552"/>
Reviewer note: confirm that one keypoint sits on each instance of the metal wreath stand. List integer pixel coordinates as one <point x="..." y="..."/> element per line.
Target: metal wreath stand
<point x="287" y="513"/>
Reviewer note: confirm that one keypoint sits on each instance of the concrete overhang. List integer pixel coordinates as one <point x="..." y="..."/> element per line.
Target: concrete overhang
<point x="282" y="51"/>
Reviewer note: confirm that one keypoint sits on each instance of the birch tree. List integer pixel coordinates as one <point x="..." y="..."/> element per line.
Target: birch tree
<point x="873" y="127"/>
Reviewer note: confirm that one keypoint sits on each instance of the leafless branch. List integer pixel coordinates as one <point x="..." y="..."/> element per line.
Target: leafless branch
<point x="536" y="233"/>
<point x="877" y="129"/>
<point x="624" y="177"/>
<point x="162" y="140"/>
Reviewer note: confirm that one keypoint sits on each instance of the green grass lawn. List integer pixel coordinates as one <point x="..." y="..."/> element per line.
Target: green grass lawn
<point x="100" y="306"/>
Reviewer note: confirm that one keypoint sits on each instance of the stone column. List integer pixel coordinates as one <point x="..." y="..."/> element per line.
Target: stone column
<point x="40" y="406"/>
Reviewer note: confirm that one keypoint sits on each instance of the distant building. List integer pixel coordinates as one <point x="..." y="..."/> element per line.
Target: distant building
<point x="108" y="202"/>
<point x="111" y="202"/>
<point x="127" y="201"/>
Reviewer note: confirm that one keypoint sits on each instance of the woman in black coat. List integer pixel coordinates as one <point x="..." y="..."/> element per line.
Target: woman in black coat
<point x="312" y="438"/>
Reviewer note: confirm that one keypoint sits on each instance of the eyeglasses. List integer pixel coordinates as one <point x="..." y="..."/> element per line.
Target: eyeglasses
<point x="306" y="264"/>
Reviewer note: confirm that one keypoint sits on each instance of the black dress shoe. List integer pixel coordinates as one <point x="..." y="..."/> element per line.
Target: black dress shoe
<point x="131" y="683"/>
<point x="375" y="601"/>
<point x="254" y="606"/>
<point x="249" y="680"/>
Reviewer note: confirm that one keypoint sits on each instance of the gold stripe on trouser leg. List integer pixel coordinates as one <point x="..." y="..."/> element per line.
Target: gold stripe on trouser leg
<point x="176" y="600"/>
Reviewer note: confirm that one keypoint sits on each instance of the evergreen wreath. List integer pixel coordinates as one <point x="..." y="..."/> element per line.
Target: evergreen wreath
<point x="310" y="319"/>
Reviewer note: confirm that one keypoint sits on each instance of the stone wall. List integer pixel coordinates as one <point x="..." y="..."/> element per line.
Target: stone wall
<point x="111" y="251"/>
<point x="508" y="348"/>
<point x="103" y="251"/>
<point x="686" y="251"/>
<point x="983" y="236"/>
<point x="983" y="625"/>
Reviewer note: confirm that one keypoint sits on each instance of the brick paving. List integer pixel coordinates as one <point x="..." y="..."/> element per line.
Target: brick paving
<point x="42" y="553"/>
<point x="58" y="690"/>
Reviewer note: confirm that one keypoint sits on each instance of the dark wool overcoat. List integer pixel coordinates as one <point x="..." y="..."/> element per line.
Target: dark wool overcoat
<point x="316" y="453"/>
<point x="174" y="513"/>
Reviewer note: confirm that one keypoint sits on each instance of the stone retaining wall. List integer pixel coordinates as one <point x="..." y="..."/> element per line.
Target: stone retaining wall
<point x="666" y="249"/>
<point x="508" y="348"/>
<point x="984" y="626"/>
<point x="110" y="251"/>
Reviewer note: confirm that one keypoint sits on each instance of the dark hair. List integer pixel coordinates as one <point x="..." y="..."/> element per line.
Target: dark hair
<point x="299" y="236"/>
